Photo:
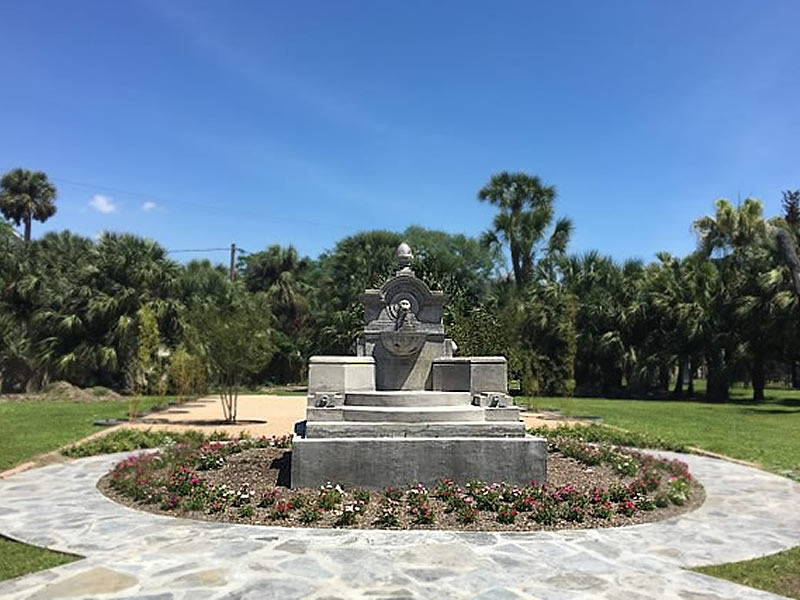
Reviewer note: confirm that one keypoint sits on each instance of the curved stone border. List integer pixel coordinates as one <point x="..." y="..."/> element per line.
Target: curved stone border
<point x="132" y="554"/>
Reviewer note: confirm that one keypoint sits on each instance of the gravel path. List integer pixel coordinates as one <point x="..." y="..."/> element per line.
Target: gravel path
<point x="130" y="554"/>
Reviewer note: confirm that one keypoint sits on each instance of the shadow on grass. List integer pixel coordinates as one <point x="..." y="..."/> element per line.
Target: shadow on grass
<point x="762" y="410"/>
<point x="700" y="399"/>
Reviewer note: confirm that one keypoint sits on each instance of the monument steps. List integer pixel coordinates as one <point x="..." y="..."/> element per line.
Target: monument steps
<point x="415" y="414"/>
<point x="407" y="398"/>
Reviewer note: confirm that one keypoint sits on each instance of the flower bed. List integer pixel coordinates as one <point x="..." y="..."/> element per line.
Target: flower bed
<point x="588" y="486"/>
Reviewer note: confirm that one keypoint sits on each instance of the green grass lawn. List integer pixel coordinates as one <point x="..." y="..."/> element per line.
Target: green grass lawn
<point x="777" y="573"/>
<point x="764" y="433"/>
<point x="20" y="559"/>
<point x="28" y="429"/>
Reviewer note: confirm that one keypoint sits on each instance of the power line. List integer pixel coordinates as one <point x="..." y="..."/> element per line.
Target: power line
<point x="240" y="250"/>
<point x="198" y="250"/>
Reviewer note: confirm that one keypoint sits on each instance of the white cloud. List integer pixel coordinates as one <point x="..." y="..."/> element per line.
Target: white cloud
<point x="149" y="206"/>
<point x="103" y="204"/>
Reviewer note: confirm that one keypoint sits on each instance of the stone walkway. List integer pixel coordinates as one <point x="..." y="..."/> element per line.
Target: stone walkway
<point x="131" y="554"/>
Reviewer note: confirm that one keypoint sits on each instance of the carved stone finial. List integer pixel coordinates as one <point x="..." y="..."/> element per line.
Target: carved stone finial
<point x="404" y="255"/>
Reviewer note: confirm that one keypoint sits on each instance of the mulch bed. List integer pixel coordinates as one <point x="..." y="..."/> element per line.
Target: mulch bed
<point x="265" y="469"/>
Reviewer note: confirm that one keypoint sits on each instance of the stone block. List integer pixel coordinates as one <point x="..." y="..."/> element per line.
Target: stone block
<point x="509" y="413"/>
<point x="451" y="374"/>
<point x="475" y="374"/>
<point x="335" y="413"/>
<point x="380" y="462"/>
<point x="488" y="374"/>
<point x="337" y="374"/>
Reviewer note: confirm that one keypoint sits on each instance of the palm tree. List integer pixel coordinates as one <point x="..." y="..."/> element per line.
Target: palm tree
<point x="741" y="239"/>
<point x="525" y="214"/>
<point x="27" y="195"/>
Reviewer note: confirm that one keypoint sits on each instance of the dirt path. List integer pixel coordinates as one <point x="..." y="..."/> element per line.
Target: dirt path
<point x="257" y="415"/>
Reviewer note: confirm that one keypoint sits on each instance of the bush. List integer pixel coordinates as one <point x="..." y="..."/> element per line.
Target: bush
<point x="608" y="435"/>
<point x="125" y="440"/>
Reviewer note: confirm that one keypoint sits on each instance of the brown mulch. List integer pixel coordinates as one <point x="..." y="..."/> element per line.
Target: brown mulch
<point x="62" y="391"/>
<point x="262" y="469"/>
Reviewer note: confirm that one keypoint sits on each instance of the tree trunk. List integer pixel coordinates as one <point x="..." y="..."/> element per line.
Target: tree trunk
<point x="690" y="388"/>
<point x="795" y="376"/>
<point x="27" y="228"/>
<point x="759" y="378"/>
<point x="518" y="278"/>
<point x="664" y="378"/>
<point x="717" y="382"/>
<point x="678" y="391"/>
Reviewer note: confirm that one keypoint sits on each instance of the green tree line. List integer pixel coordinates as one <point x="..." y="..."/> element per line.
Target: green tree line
<point x="118" y="312"/>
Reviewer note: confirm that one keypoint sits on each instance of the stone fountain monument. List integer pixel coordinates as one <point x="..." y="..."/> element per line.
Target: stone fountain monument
<point x="405" y="409"/>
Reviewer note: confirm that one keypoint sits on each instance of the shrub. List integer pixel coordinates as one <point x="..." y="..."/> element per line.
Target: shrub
<point x="545" y="514"/>
<point x="183" y="481"/>
<point x="393" y="493"/>
<point x="417" y="496"/>
<point x="209" y="457"/>
<point x="281" y="510"/>
<point x="506" y="515"/>
<point x="422" y="514"/>
<point x="466" y="514"/>
<point x="348" y="515"/>
<point x="387" y="517"/>
<point x="609" y="435"/>
<point x="678" y="491"/>
<point x="125" y="440"/>
<point x="603" y="510"/>
<point x="361" y="496"/>
<point x="329" y="496"/>
<point x="627" y="508"/>
<point x="310" y="514"/>
<point x="573" y="513"/>
<point x="268" y="498"/>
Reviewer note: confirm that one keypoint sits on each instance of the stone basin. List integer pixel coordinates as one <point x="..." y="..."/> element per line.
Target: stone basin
<point x="403" y="343"/>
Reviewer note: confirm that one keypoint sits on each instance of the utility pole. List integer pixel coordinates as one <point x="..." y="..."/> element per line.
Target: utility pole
<point x="233" y="262"/>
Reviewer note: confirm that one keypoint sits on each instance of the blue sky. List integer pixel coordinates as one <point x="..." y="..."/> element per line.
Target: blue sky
<point x="204" y="123"/>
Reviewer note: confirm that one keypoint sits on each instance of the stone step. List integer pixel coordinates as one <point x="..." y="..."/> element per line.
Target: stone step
<point x="351" y="429"/>
<point x="415" y="414"/>
<point x="406" y="398"/>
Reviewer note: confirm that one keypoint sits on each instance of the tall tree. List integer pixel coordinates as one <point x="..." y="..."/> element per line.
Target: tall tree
<point x="235" y="338"/>
<point x="27" y="195"/>
<point x="791" y="207"/>
<point x="526" y="212"/>
<point x="281" y="274"/>
<point x="739" y="239"/>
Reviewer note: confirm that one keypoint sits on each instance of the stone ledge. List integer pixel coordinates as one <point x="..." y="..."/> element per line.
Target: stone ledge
<point x="339" y="360"/>
<point x="355" y="429"/>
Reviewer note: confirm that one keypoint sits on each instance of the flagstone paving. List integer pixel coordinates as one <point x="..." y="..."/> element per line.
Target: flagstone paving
<point x="131" y="554"/>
